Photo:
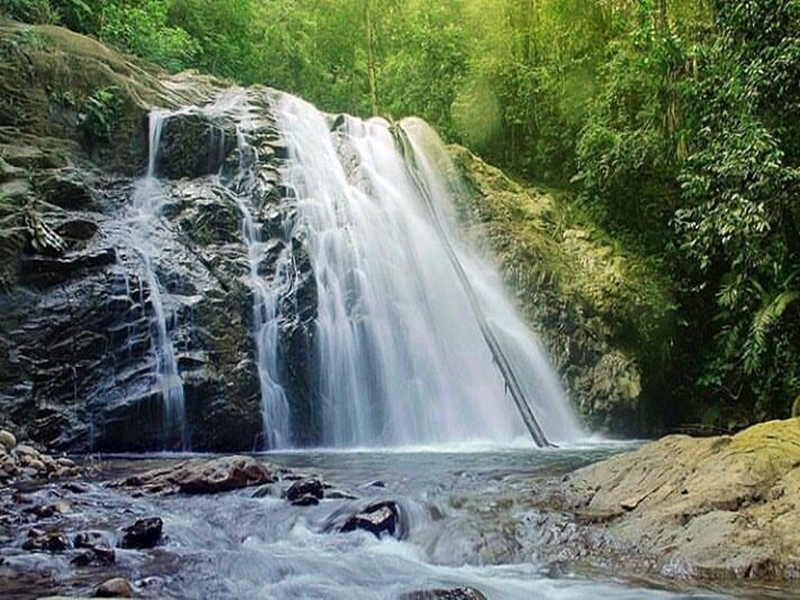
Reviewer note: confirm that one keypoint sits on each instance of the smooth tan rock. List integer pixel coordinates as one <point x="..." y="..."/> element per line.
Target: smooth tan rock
<point x="713" y="507"/>
<point x="7" y="439"/>
<point x="117" y="587"/>
<point x="201" y="476"/>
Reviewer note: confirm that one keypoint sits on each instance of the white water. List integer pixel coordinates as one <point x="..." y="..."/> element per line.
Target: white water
<point x="148" y="200"/>
<point x="401" y="357"/>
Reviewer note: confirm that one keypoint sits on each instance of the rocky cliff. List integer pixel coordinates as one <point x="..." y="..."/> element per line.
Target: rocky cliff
<point x="77" y="326"/>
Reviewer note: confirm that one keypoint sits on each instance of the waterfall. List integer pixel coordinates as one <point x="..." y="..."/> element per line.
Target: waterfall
<point x="414" y="339"/>
<point x="401" y="358"/>
<point x="148" y="198"/>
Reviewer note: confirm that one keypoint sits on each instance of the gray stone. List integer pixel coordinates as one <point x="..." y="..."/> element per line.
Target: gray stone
<point x="117" y="587"/>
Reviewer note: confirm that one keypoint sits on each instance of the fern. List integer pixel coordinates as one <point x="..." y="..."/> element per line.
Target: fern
<point x="764" y="320"/>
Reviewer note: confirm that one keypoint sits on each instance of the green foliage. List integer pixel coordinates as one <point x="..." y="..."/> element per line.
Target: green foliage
<point x="98" y="117"/>
<point x="28" y="11"/>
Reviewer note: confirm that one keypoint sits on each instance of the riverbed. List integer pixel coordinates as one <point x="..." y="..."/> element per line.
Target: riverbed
<point x="470" y="520"/>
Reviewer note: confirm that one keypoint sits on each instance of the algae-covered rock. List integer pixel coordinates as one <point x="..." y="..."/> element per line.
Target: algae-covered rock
<point x="603" y="313"/>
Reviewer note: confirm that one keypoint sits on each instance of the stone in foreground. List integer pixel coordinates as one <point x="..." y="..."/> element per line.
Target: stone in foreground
<point x="201" y="476"/>
<point x="378" y="518"/>
<point x="721" y="507"/>
<point x="114" y="588"/>
<point x="460" y="593"/>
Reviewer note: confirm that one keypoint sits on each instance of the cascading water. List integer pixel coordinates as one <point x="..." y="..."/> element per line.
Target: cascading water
<point x="401" y="356"/>
<point x="148" y="198"/>
<point x="266" y="294"/>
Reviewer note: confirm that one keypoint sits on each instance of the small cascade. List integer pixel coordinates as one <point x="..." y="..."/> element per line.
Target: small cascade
<point x="266" y="293"/>
<point x="148" y="199"/>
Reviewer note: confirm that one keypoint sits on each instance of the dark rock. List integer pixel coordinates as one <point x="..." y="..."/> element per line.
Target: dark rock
<point x="45" y="511"/>
<point x="305" y="500"/>
<point x="114" y="588"/>
<point x="89" y="539"/>
<point x="144" y="533"/>
<point x="76" y="487"/>
<point x="95" y="555"/>
<point x="53" y="541"/>
<point x="77" y="229"/>
<point x="340" y="495"/>
<point x="262" y="492"/>
<point x="48" y="271"/>
<point x="378" y="518"/>
<point x="376" y="484"/>
<point x="202" y="476"/>
<point x="64" y="188"/>
<point x="305" y="487"/>
<point x="193" y="145"/>
<point x="460" y="593"/>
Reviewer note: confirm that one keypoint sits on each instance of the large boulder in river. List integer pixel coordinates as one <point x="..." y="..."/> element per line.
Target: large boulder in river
<point x="717" y="507"/>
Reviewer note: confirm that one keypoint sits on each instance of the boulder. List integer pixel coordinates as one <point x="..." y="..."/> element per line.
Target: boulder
<point x="310" y="487"/>
<point x="305" y="500"/>
<point x="718" y="507"/>
<point x="117" y="587"/>
<point x="144" y="533"/>
<point x="38" y="541"/>
<point x="378" y="518"/>
<point x="94" y="556"/>
<point x="201" y="476"/>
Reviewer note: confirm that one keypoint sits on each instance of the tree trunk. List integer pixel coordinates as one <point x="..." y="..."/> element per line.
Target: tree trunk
<point x="373" y="83"/>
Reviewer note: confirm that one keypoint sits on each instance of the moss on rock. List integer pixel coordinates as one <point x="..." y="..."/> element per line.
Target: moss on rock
<point x="604" y="313"/>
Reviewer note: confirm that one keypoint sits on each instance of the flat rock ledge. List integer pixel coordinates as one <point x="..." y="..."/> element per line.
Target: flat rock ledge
<point x="709" y="508"/>
<point x="203" y="476"/>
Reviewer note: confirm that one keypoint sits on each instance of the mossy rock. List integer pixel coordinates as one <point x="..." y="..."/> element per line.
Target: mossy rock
<point x="604" y="312"/>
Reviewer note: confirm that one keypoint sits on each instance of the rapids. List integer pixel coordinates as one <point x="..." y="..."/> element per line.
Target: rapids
<point x="473" y="521"/>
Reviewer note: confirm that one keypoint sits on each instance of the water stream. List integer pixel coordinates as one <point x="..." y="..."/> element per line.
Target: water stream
<point x="148" y="200"/>
<point x="472" y="521"/>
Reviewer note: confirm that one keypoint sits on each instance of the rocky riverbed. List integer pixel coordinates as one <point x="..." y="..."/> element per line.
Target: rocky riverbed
<point x="681" y="515"/>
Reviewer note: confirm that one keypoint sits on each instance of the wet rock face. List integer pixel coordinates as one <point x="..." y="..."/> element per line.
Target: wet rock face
<point x="144" y="533"/>
<point x="602" y="314"/>
<point x="193" y="145"/>
<point x="78" y="368"/>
